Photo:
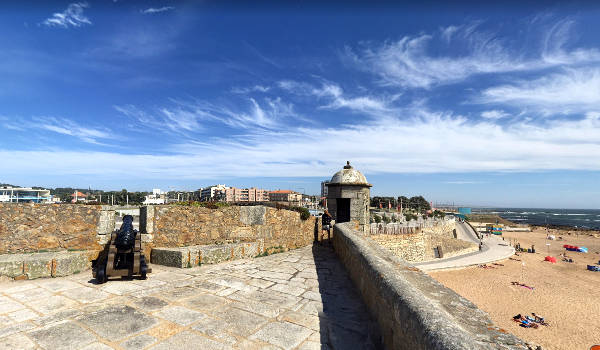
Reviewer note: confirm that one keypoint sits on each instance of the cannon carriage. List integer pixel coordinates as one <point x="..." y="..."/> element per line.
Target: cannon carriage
<point x="124" y="257"/>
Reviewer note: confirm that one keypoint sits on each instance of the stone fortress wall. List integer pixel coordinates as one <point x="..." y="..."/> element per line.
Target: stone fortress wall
<point x="79" y="232"/>
<point x="415" y="241"/>
<point x="412" y="309"/>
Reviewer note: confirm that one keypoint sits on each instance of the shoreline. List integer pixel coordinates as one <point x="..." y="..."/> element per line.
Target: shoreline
<point x="564" y="293"/>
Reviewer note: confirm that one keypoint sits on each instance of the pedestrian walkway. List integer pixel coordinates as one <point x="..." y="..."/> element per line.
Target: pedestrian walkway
<point x="493" y="249"/>
<point x="302" y="299"/>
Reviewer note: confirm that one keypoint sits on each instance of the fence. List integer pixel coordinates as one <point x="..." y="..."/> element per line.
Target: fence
<point x="398" y="228"/>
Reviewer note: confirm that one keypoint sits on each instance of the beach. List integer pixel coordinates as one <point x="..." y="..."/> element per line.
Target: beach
<point x="566" y="294"/>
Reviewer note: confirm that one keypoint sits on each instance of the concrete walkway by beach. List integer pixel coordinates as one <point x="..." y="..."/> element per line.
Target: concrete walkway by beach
<point x="494" y="249"/>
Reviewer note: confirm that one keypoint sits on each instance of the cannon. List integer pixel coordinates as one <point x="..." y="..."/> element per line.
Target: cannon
<point x="124" y="258"/>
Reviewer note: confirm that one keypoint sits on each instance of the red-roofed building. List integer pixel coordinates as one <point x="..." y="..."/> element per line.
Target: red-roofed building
<point x="285" y="196"/>
<point x="78" y="197"/>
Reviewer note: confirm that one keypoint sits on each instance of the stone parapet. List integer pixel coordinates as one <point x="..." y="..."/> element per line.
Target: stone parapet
<point x="39" y="265"/>
<point x="191" y="256"/>
<point x="413" y="310"/>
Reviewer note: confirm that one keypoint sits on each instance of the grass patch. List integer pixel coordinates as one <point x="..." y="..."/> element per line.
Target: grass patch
<point x="271" y="251"/>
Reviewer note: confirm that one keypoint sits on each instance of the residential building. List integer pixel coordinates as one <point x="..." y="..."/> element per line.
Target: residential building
<point x="157" y="197"/>
<point x="291" y="197"/>
<point x="252" y="194"/>
<point x="212" y="193"/>
<point x="24" y="194"/>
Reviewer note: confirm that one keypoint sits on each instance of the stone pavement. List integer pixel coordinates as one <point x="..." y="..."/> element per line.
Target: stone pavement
<point x="302" y="299"/>
<point x="494" y="249"/>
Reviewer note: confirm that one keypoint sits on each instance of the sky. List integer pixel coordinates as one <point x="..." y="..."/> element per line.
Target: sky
<point x="483" y="105"/>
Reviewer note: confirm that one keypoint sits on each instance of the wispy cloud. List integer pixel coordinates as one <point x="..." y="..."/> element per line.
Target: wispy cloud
<point x="70" y="128"/>
<point x="335" y="98"/>
<point x="410" y="62"/>
<point x="185" y="115"/>
<point x="63" y="126"/>
<point x="152" y="10"/>
<point x="246" y="90"/>
<point x="572" y="90"/>
<point x="72" y="16"/>
<point x="494" y="114"/>
<point x="430" y="142"/>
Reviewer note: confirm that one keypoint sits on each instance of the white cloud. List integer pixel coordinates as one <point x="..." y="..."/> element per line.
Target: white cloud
<point x="71" y="16"/>
<point x="185" y="116"/>
<point x="63" y="126"/>
<point x="70" y="128"/>
<point x="572" y="90"/>
<point x="152" y="10"/>
<point x="411" y="62"/>
<point x="494" y="114"/>
<point x="246" y="90"/>
<point x="335" y="97"/>
<point x="426" y="143"/>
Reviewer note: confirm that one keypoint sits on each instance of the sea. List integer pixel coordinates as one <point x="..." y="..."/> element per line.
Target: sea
<point x="580" y="218"/>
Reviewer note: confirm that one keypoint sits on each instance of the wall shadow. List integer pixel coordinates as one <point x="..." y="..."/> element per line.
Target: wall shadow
<point x="344" y="321"/>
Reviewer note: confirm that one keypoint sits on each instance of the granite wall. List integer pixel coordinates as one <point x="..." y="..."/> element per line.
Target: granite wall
<point x="32" y="227"/>
<point x="412" y="309"/>
<point x="61" y="229"/>
<point x="178" y="226"/>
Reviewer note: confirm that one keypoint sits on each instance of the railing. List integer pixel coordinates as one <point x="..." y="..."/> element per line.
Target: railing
<point x="398" y="228"/>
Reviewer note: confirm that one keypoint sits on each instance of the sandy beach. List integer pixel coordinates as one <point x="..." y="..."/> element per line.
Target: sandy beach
<point x="566" y="294"/>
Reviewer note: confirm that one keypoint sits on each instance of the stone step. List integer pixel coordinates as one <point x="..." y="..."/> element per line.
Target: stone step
<point x="43" y="265"/>
<point x="196" y="255"/>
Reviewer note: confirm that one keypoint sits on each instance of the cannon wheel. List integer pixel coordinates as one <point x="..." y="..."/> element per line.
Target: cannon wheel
<point x="101" y="273"/>
<point x="143" y="267"/>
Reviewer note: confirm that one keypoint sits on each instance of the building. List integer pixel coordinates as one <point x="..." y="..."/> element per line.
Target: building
<point x="213" y="193"/>
<point x="324" y="188"/>
<point x="233" y="194"/>
<point x="349" y="196"/>
<point x="24" y="194"/>
<point x="464" y="211"/>
<point x="78" y="197"/>
<point x="291" y="197"/>
<point x="157" y="197"/>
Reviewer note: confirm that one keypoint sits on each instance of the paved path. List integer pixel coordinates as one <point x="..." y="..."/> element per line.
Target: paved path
<point x="466" y="233"/>
<point x="302" y="299"/>
<point x="494" y="249"/>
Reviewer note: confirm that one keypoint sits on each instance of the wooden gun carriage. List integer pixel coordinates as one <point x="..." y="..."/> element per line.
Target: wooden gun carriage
<point x="121" y="262"/>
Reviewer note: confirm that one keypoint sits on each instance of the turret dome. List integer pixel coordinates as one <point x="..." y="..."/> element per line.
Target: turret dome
<point x="349" y="176"/>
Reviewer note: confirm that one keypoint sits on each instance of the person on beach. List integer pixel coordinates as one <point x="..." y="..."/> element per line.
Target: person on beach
<point x="326" y="225"/>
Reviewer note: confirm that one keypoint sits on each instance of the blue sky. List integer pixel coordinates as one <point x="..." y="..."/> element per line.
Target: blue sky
<point x="481" y="105"/>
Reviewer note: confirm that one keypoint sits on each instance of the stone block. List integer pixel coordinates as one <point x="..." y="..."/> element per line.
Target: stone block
<point x="191" y="256"/>
<point x="37" y="265"/>
<point x="11" y="265"/>
<point x="117" y="321"/>
<point x="70" y="263"/>
<point x="168" y="257"/>
<point x="283" y="334"/>
<point x="253" y="215"/>
<point x="64" y="335"/>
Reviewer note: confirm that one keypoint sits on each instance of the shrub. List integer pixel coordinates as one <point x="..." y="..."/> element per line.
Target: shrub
<point x="386" y="219"/>
<point x="377" y="218"/>
<point x="304" y="213"/>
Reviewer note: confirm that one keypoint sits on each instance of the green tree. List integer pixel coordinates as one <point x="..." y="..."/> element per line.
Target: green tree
<point x="419" y="203"/>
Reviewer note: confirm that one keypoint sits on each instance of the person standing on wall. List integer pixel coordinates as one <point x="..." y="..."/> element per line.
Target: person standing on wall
<point x="326" y="225"/>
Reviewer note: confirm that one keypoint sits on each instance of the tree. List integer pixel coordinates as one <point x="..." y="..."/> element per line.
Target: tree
<point x="403" y="200"/>
<point x="419" y="203"/>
